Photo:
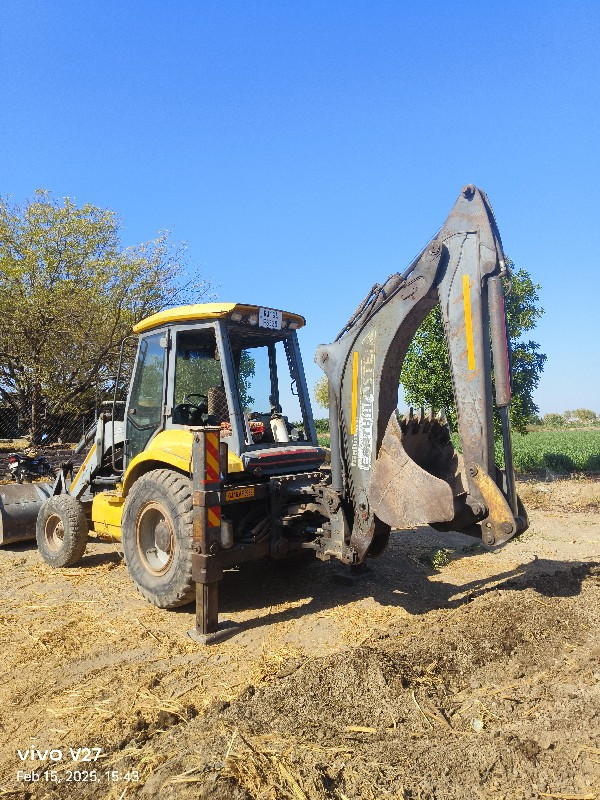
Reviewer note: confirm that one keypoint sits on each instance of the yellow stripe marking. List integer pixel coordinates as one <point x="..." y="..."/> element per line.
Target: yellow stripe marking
<point x="212" y="463"/>
<point x="82" y="467"/>
<point x="468" y="322"/>
<point x="213" y="519"/>
<point x="354" y="393"/>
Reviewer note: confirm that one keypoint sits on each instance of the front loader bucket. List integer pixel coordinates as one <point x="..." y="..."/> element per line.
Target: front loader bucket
<point x="19" y="506"/>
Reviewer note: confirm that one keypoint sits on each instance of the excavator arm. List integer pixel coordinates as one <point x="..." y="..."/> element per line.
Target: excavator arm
<point x="393" y="472"/>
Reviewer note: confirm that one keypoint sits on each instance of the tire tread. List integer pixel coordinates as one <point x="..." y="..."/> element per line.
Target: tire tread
<point x="179" y="488"/>
<point x="71" y="512"/>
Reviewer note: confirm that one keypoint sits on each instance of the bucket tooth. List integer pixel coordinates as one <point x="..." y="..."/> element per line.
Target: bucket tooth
<point x="428" y="422"/>
<point x="414" y="422"/>
<point x="407" y="420"/>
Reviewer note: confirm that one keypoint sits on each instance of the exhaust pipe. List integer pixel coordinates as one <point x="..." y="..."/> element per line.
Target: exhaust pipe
<point x="19" y="507"/>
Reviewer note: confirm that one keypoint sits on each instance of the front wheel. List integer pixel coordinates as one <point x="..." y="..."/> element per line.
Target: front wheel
<point x="158" y="537"/>
<point x="61" y="530"/>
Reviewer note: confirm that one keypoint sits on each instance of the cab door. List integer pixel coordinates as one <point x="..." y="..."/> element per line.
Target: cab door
<point x="145" y="408"/>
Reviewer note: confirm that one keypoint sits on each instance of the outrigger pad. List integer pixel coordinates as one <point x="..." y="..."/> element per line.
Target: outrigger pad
<point x="416" y="476"/>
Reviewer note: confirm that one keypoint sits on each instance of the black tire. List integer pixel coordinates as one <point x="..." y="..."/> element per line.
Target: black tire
<point x="158" y="537"/>
<point x="61" y="531"/>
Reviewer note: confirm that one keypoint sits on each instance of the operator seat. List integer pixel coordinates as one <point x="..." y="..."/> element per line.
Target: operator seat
<point x="217" y="404"/>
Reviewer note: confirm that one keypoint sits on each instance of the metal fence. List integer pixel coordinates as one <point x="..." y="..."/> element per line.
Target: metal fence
<point x="51" y="429"/>
<point x="56" y="435"/>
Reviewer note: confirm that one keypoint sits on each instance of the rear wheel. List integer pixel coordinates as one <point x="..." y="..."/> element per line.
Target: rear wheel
<point x="61" y="531"/>
<point x="158" y="537"/>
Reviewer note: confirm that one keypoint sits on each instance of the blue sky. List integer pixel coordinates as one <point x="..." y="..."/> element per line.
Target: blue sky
<point x="305" y="150"/>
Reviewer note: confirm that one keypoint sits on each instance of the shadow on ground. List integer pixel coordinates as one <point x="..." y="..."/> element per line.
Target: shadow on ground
<point x="402" y="577"/>
<point x="397" y="579"/>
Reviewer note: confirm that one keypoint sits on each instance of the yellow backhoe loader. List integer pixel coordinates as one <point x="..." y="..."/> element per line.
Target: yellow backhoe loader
<point x="206" y="468"/>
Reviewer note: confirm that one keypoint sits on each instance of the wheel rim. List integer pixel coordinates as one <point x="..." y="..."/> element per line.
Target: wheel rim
<point x="155" y="540"/>
<point x="54" y="532"/>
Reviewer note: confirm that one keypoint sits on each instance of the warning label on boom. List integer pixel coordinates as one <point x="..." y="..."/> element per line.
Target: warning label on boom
<point x="362" y="443"/>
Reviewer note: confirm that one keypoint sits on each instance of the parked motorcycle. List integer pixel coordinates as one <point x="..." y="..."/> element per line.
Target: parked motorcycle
<point x="26" y="468"/>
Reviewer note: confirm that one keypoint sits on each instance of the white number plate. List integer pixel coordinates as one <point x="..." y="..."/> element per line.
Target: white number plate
<point x="269" y="318"/>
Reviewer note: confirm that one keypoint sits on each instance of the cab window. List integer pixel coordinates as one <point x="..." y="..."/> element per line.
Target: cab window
<point x="144" y="415"/>
<point x="198" y="379"/>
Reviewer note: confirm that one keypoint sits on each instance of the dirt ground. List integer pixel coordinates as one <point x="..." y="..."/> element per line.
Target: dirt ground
<point x="445" y="672"/>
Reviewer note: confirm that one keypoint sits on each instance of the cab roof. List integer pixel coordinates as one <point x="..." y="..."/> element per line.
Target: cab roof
<point x="208" y="311"/>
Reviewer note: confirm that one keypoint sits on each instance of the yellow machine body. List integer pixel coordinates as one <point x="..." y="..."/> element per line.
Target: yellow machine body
<point x="171" y="449"/>
<point x="207" y="311"/>
<point x="107" y="508"/>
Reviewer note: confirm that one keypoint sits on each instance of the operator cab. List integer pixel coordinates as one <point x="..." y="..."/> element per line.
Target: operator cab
<point x="231" y="365"/>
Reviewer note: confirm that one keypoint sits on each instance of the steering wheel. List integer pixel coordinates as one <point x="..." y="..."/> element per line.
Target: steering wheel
<point x="186" y="413"/>
<point x="203" y="401"/>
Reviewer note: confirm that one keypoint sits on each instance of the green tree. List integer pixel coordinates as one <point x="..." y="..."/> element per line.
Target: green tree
<point x="321" y="392"/>
<point x="553" y="420"/>
<point x="583" y="416"/>
<point x="200" y="371"/>
<point x="69" y="293"/>
<point x="246" y="372"/>
<point x="425" y="374"/>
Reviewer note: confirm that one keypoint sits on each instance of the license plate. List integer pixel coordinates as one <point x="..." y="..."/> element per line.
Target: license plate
<point x="239" y="494"/>
<point x="269" y="318"/>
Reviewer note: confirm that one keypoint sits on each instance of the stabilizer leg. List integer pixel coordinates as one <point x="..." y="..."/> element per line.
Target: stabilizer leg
<point x="206" y="569"/>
